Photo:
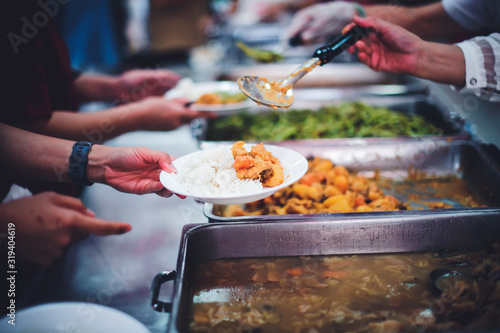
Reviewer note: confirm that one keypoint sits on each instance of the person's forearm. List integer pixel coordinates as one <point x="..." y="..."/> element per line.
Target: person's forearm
<point x="97" y="88"/>
<point x="427" y="21"/>
<point x="441" y="63"/>
<point x="32" y="156"/>
<point x="96" y="127"/>
<point x="27" y="155"/>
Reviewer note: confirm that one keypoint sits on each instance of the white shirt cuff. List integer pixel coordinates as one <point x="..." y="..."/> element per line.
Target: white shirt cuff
<point x="474" y="72"/>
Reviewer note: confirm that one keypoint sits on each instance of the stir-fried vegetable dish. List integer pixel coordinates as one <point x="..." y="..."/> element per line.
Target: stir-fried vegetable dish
<point x="387" y="293"/>
<point x="335" y="121"/>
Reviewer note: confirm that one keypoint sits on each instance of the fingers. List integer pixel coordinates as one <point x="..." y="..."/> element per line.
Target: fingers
<point x="203" y="114"/>
<point x="101" y="227"/>
<point x="180" y="100"/>
<point x="361" y="46"/>
<point x="166" y="193"/>
<point x="153" y="187"/>
<point x="298" y="24"/>
<point x="160" y="158"/>
<point x="348" y="27"/>
<point x="167" y="78"/>
<point x="70" y="203"/>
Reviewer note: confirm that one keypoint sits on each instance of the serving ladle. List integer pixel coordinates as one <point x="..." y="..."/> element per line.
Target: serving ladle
<point x="443" y="279"/>
<point x="279" y="94"/>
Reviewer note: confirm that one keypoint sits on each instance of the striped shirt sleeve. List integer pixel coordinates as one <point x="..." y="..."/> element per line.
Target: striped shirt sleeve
<point x="482" y="66"/>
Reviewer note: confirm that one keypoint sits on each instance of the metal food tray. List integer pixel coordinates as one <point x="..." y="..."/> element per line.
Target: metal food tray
<point x="409" y="99"/>
<point x="392" y="159"/>
<point x="369" y="234"/>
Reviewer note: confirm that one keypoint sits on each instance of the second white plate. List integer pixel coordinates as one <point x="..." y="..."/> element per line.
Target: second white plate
<point x="192" y="91"/>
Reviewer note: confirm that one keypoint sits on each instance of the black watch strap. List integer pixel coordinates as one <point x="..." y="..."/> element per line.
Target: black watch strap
<point x="78" y="161"/>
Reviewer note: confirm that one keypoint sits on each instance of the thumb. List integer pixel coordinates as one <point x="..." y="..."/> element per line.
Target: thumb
<point x="165" y="162"/>
<point x="102" y="227"/>
<point x="298" y="24"/>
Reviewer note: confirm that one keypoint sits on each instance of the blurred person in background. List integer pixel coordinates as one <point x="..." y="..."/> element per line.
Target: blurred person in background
<point x="94" y="33"/>
<point x="399" y="44"/>
<point x="273" y="11"/>
<point x="42" y="93"/>
<point x="110" y="35"/>
<point x="318" y="23"/>
<point x="470" y="66"/>
<point x="175" y="27"/>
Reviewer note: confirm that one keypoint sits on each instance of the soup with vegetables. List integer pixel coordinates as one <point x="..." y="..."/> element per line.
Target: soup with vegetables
<point x="348" y="293"/>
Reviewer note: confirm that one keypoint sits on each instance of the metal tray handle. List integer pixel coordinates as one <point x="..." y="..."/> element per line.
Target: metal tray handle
<point x="158" y="280"/>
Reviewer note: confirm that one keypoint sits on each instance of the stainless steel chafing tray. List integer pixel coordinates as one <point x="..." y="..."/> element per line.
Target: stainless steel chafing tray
<point x="410" y="99"/>
<point x="388" y="234"/>
<point x="392" y="158"/>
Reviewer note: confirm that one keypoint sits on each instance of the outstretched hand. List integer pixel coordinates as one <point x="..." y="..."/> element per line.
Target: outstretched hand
<point x="137" y="84"/>
<point x="46" y="224"/>
<point x="161" y="114"/>
<point x="136" y="170"/>
<point x="318" y="22"/>
<point x="390" y="49"/>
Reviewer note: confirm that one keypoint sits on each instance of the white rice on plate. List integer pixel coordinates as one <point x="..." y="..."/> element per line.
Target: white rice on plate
<point x="211" y="173"/>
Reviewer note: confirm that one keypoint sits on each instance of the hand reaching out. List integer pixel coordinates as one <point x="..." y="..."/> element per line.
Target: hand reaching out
<point x="46" y="224"/>
<point x="316" y="23"/>
<point x="130" y="169"/>
<point x="390" y="49"/>
<point x="160" y="114"/>
<point x="137" y="84"/>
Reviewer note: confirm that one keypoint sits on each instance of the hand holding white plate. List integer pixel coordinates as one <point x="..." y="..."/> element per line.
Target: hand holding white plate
<point x="192" y="91"/>
<point x="210" y="185"/>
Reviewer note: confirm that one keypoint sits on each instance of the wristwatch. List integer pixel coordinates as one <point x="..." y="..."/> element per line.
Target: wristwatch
<point x="77" y="170"/>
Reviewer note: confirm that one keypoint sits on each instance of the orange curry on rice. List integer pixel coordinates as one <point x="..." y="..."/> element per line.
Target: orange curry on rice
<point x="257" y="164"/>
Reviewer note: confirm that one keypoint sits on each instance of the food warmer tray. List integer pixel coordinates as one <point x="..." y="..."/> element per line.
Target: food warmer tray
<point x="368" y="234"/>
<point x="393" y="158"/>
<point x="401" y="98"/>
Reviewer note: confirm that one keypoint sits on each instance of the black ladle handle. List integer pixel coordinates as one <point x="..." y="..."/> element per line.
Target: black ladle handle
<point x="329" y="51"/>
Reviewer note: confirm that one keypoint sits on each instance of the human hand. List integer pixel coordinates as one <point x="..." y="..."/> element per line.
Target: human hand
<point x="137" y="84"/>
<point x="270" y="12"/>
<point x="390" y="49"/>
<point x="316" y="23"/>
<point x="47" y="223"/>
<point x="160" y="114"/>
<point x="130" y="169"/>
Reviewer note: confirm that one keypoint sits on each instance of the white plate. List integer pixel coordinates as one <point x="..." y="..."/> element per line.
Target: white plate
<point x="72" y="317"/>
<point x="192" y="91"/>
<point x="294" y="167"/>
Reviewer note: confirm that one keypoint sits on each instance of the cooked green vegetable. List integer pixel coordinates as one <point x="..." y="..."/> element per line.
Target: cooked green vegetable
<point x="260" y="55"/>
<point x="347" y="120"/>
